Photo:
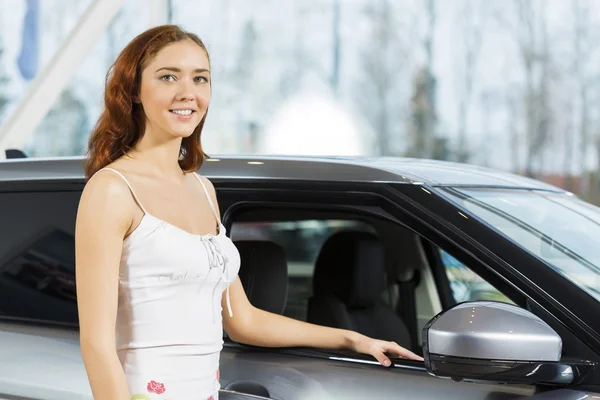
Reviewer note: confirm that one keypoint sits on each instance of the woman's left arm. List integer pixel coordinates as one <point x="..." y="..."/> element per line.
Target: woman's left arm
<point x="253" y="326"/>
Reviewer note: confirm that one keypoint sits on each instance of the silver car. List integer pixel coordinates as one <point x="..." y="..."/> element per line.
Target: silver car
<point x="492" y="277"/>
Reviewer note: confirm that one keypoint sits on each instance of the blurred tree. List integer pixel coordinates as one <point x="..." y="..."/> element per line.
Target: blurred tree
<point x="512" y="106"/>
<point x="488" y="103"/>
<point x="583" y="47"/>
<point x="441" y="149"/>
<point x="4" y="79"/>
<point x="247" y="87"/>
<point x="423" y="116"/>
<point x="383" y="58"/>
<point x="566" y="137"/>
<point x="336" y="47"/>
<point x="246" y="62"/>
<point x="532" y="41"/>
<point x="301" y="59"/>
<point x="293" y="71"/>
<point x="170" y="10"/>
<point x="422" y="119"/>
<point x="544" y="126"/>
<point x="527" y="51"/>
<point x="471" y="15"/>
<point x="527" y="27"/>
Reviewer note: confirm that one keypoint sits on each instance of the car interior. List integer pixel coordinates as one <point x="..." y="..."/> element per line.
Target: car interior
<point x="264" y="274"/>
<point x="356" y="271"/>
<point x="348" y="281"/>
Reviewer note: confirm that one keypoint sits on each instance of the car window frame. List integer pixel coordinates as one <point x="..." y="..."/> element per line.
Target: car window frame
<point x="473" y="243"/>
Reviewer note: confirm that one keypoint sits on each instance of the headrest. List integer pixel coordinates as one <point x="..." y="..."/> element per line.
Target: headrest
<point x="264" y="274"/>
<point x="351" y="266"/>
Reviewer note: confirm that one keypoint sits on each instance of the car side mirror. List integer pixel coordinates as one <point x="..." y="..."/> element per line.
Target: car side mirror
<point x="489" y="341"/>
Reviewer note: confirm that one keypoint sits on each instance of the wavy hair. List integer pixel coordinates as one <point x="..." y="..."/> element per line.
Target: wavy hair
<point x="122" y="122"/>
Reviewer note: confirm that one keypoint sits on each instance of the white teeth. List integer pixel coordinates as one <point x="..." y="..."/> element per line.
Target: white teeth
<point x="182" y="112"/>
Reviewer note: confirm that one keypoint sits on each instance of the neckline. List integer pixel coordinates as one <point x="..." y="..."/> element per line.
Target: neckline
<point x="175" y="227"/>
<point x="183" y="230"/>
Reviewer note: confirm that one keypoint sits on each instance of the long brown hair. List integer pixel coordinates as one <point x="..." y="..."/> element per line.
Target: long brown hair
<point x="122" y="122"/>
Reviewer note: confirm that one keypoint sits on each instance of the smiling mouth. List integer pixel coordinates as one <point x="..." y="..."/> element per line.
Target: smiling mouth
<point x="184" y="113"/>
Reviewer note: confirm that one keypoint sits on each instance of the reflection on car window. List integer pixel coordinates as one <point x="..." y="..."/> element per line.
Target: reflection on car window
<point x="46" y="265"/>
<point x="559" y="229"/>
<point x="37" y="256"/>
<point x="302" y="241"/>
<point x="466" y="285"/>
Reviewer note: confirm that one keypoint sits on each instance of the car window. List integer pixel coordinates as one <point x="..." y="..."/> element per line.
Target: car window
<point x="558" y="228"/>
<point x="37" y="256"/>
<point x="465" y="284"/>
<point x="302" y="241"/>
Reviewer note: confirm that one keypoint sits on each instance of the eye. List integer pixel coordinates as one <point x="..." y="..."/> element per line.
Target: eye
<point x="168" y="78"/>
<point x="202" y="79"/>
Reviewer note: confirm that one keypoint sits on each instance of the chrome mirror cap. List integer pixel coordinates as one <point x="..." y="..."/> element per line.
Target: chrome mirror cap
<point x="489" y="330"/>
<point x="486" y="341"/>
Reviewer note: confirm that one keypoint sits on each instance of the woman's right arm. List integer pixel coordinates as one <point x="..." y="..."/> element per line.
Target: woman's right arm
<point x="103" y="219"/>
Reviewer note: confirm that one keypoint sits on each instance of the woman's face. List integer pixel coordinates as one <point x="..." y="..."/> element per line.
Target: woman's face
<point x="175" y="90"/>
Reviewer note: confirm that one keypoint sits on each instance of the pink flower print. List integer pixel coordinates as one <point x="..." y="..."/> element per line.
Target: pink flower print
<point x="211" y="398"/>
<point x="218" y="375"/>
<point x="155" y="387"/>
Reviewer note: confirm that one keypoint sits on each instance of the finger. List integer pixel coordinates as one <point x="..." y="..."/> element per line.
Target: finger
<point x="382" y="358"/>
<point x="402" y="352"/>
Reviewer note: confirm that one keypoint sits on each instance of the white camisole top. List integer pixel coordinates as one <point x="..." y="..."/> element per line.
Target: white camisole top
<point x="169" y="330"/>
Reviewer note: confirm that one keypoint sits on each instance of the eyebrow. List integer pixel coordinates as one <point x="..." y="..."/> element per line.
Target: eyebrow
<point x="174" y="69"/>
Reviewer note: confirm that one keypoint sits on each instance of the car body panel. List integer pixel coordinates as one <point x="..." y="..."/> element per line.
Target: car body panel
<point x="41" y="363"/>
<point x="45" y="363"/>
<point x="330" y="169"/>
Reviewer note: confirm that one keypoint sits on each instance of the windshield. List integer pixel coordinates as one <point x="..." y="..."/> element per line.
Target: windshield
<point x="561" y="229"/>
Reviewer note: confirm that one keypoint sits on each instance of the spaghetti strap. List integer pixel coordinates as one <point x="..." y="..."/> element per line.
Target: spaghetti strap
<point x="219" y="227"/>
<point x="137" y="200"/>
<point x="210" y="202"/>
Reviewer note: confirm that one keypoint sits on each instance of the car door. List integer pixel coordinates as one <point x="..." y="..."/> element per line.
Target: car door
<point x="310" y="373"/>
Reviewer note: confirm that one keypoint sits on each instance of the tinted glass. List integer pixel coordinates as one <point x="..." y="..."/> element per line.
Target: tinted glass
<point x="466" y="285"/>
<point x="37" y="256"/>
<point x="302" y="242"/>
<point x="562" y="230"/>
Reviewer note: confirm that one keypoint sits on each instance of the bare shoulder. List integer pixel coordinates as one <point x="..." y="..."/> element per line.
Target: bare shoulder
<point x="106" y="186"/>
<point x="107" y="195"/>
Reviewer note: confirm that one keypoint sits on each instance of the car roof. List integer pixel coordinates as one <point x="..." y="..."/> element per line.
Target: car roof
<point x="332" y="169"/>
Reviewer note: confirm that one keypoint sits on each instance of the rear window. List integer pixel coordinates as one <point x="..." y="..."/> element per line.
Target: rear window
<point x="37" y="256"/>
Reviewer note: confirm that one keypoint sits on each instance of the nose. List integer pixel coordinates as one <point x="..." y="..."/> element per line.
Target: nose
<point x="185" y="90"/>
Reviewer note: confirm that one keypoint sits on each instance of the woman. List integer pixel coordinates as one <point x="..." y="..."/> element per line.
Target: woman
<point x="154" y="272"/>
